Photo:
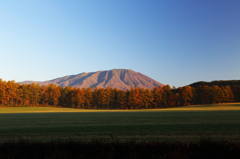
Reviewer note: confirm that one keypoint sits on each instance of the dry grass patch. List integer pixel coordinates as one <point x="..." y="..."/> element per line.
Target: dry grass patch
<point x="208" y="107"/>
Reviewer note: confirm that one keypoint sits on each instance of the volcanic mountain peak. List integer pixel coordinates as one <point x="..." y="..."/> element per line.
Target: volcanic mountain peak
<point x="117" y="78"/>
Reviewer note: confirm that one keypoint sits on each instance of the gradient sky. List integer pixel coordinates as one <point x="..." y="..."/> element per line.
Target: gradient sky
<point x="175" y="42"/>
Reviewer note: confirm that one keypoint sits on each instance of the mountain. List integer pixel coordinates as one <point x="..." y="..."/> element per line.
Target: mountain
<point x="117" y="78"/>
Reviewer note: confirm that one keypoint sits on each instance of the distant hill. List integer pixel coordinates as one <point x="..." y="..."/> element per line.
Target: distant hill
<point x="122" y="79"/>
<point x="219" y="83"/>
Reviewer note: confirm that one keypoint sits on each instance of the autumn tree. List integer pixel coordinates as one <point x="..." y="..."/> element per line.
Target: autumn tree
<point x="78" y="98"/>
<point x="83" y="92"/>
<point x="186" y="94"/>
<point x="54" y="94"/>
<point x="11" y="92"/>
<point x="236" y="92"/>
<point x="172" y="100"/>
<point x="147" y="98"/>
<point x="122" y="99"/>
<point x="3" y="92"/>
<point x="102" y="98"/>
<point x="88" y="98"/>
<point x="128" y="99"/>
<point x="113" y="102"/>
<point x="25" y="94"/>
<point x="157" y="97"/>
<point x="109" y="96"/>
<point x="202" y="95"/>
<point x="216" y="94"/>
<point x="227" y="94"/>
<point x="95" y="97"/>
<point x="143" y="101"/>
<point x="19" y="96"/>
<point x="134" y="98"/>
<point x="65" y="99"/>
<point x="165" y="95"/>
<point x="35" y="93"/>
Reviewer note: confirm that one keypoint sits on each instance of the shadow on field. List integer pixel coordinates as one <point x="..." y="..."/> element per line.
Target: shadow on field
<point x="101" y="148"/>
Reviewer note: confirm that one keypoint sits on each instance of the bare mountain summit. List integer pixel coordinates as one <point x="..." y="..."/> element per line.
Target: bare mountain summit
<point x="117" y="78"/>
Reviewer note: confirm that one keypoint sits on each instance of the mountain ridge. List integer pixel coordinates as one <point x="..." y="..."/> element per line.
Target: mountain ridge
<point x="122" y="79"/>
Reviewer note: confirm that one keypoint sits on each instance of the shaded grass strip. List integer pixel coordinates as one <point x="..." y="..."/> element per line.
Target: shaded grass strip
<point x="102" y="148"/>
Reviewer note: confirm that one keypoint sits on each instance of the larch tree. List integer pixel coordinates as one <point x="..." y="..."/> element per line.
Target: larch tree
<point x="147" y="98"/>
<point x="45" y="95"/>
<point x="11" y="91"/>
<point x="54" y="94"/>
<point x="186" y="94"/>
<point x="102" y="98"/>
<point x="172" y="100"/>
<point x="113" y="102"/>
<point x="65" y="99"/>
<point x="3" y="92"/>
<point x="216" y="94"/>
<point x="227" y="94"/>
<point x="157" y="97"/>
<point x="236" y="92"/>
<point x="109" y="96"/>
<point x="19" y="96"/>
<point x="202" y="95"/>
<point x="95" y="97"/>
<point x="135" y="98"/>
<point x="88" y="98"/>
<point x="79" y="98"/>
<point x="165" y="95"/>
<point x="83" y="92"/>
<point x="121" y="99"/>
<point x="25" y="94"/>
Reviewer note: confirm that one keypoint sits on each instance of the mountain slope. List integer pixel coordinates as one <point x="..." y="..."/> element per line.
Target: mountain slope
<point x="117" y="78"/>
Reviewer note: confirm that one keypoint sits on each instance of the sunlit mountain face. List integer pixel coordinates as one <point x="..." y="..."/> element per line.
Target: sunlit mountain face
<point x="122" y="79"/>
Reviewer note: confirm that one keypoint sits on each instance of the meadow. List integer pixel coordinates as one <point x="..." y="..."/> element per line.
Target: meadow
<point x="189" y="123"/>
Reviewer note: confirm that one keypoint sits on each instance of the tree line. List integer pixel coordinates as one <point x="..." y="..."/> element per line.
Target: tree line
<point x="14" y="94"/>
<point x="220" y="83"/>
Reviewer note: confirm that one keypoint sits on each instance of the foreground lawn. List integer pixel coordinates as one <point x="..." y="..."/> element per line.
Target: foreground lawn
<point x="221" y="121"/>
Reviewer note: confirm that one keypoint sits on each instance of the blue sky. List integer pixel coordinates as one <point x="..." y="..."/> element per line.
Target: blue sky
<point x="174" y="42"/>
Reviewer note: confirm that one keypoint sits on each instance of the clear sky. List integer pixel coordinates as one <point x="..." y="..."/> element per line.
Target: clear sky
<point x="175" y="42"/>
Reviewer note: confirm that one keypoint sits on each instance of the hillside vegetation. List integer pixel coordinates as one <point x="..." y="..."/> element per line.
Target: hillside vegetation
<point x="220" y="83"/>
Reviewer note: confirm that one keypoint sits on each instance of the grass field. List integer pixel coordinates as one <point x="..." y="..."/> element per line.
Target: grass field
<point x="220" y="121"/>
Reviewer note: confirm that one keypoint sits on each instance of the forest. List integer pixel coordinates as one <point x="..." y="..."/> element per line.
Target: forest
<point x="220" y="83"/>
<point x="14" y="94"/>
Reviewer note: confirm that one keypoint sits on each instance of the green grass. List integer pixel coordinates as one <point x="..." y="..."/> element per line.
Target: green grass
<point x="221" y="121"/>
